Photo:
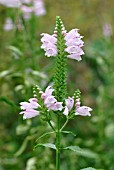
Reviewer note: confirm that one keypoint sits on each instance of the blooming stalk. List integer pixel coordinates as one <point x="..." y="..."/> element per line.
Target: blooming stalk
<point x="54" y="100"/>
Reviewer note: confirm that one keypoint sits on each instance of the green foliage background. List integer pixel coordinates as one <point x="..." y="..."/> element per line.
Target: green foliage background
<point x="23" y="64"/>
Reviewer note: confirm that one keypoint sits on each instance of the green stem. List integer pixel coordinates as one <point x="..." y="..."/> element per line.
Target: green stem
<point x="51" y="125"/>
<point x="58" y="144"/>
<point x="64" y="125"/>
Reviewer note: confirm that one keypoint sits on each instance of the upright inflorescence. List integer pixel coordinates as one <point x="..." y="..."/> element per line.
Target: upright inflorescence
<point x="61" y="45"/>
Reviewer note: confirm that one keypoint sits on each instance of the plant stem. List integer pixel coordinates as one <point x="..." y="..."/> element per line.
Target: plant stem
<point x="51" y="125"/>
<point x="64" y="125"/>
<point x="58" y="144"/>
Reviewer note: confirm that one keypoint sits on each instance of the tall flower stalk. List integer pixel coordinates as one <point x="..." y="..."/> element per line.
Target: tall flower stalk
<point x="59" y="80"/>
<point x="55" y="100"/>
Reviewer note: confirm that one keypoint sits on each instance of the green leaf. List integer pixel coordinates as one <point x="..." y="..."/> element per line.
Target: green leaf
<point x="68" y="132"/>
<point x="22" y="148"/>
<point x="45" y="134"/>
<point x="5" y="73"/>
<point x="24" y="145"/>
<point x="7" y="101"/>
<point x="47" y="145"/>
<point x="82" y="152"/>
<point x="15" y="50"/>
<point x="90" y="168"/>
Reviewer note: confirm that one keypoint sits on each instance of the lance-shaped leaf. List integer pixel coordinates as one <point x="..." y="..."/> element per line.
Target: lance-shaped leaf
<point x="68" y="132"/>
<point x="82" y="152"/>
<point x="15" y="50"/>
<point x="23" y="147"/>
<point x="45" y="134"/>
<point x="90" y="168"/>
<point x="47" y="145"/>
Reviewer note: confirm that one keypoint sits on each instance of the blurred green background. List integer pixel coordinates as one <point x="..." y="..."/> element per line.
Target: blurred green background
<point x="23" y="64"/>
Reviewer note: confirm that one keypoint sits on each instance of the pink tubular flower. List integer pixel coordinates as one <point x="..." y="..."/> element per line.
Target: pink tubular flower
<point x="55" y="106"/>
<point x="29" y="108"/>
<point x="80" y="110"/>
<point x="48" y="92"/>
<point x="74" y="44"/>
<point x="69" y="105"/>
<point x="49" y="100"/>
<point x="49" y="44"/>
<point x="83" y="111"/>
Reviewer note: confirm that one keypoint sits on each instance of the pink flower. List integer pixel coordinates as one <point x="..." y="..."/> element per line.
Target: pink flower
<point x="39" y="8"/>
<point x="26" y="11"/>
<point x="29" y="108"/>
<point x="8" y="25"/>
<point x="69" y="105"/>
<point x="72" y="41"/>
<point x="72" y="34"/>
<point x="49" y="100"/>
<point x="55" y="106"/>
<point x="74" y="56"/>
<point x="49" y="44"/>
<point x="74" y="44"/>
<point x="83" y="111"/>
<point x="51" y="52"/>
<point x="107" y="30"/>
<point x="80" y="110"/>
<point x="27" y="114"/>
<point x="48" y="92"/>
<point x="66" y="111"/>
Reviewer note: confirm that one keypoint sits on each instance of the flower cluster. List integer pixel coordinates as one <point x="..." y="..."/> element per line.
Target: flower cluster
<point x="28" y="108"/>
<point x="72" y="41"/>
<point x="27" y="7"/>
<point x="74" y="44"/>
<point x="35" y="6"/>
<point x="49" y="44"/>
<point x="9" y="25"/>
<point x="79" y="110"/>
<point x="49" y="100"/>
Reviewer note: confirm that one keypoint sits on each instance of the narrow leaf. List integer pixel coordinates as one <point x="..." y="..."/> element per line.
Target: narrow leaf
<point x="90" y="168"/>
<point x="69" y="132"/>
<point x="45" y="134"/>
<point x="7" y="101"/>
<point x="15" y="50"/>
<point x="82" y="152"/>
<point x="47" y="145"/>
<point x="22" y="148"/>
